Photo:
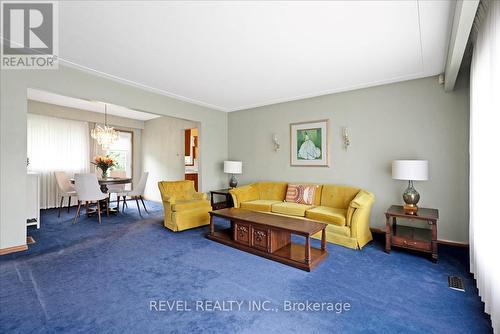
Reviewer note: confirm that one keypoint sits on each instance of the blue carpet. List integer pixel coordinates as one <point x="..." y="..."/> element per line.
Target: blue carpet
<point x="90" y="278"/>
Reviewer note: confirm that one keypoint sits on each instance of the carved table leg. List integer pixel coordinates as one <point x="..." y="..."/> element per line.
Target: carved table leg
<point x="387" y="234"/>
<point x="323" y="239"/>
<point x="434" y="243"/>
<point x="212" y="225"/>
<point x="308" y="250"/>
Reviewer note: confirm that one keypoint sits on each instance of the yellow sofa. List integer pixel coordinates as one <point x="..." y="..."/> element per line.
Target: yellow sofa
<point x="184" y="207"/>
<point x="345" y="209"/>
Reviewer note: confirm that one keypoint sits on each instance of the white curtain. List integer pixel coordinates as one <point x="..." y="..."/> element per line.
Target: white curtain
<point x="484" y="225"/>
<point x="56" y="144"/>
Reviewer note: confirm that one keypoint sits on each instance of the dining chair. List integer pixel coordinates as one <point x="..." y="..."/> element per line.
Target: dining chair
<point x="66" y="189"/>
<point x="136" y="193"/>
<point x="88" y="191"/>
<point x="117" y="188"/>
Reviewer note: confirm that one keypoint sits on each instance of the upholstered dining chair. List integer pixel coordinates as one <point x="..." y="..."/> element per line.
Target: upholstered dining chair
<point x="136" y="193"/>
<point x="117" y="188"/>
<point x="66" y="189"/>
<point x="88" y="191"/>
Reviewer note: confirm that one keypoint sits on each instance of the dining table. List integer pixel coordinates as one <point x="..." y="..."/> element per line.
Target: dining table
<point x="112" y="181"/>
<point x="104" y="183"/>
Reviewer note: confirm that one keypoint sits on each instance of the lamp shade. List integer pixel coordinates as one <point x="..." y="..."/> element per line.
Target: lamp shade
<point x="414" y="170"/>
<point x="232" y="167"/>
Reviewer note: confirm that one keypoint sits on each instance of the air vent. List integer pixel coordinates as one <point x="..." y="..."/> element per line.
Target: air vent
<point x="456" y="283"/>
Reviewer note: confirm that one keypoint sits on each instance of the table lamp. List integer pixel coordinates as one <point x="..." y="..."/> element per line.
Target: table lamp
<point x="233" y="167"/>
<point x="410" y="170"/>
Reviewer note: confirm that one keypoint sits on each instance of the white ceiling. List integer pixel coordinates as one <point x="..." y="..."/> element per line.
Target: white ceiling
<point x="95" y="106"/>
<point x="233" y="55"/>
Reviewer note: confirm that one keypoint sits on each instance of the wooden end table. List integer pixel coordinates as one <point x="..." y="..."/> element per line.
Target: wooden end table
<point x="227" y="203"/>
<point x="408" y="237"/>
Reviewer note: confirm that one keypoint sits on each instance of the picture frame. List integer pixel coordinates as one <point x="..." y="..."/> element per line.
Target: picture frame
<point x="309" y="145"/>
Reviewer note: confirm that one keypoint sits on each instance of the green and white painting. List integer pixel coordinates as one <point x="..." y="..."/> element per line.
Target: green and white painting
<point x="309" y="143"/>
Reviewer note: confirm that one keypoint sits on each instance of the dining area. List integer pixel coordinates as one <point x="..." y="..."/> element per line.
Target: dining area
<point x="87" y="160"/>
<point x="83" y="166"/>
<point x="99" y="195"/>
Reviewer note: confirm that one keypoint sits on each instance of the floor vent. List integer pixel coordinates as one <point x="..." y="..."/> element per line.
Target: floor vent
<point x="456" y="283"/>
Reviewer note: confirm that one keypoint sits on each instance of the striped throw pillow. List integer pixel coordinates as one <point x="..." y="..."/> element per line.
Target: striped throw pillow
<point x="301" y="193"/>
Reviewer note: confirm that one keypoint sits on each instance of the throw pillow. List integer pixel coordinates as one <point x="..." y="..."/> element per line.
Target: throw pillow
<point x="301" y="193"/>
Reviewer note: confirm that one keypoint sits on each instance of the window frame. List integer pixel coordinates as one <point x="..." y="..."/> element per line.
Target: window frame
<point x="132" y="148"/>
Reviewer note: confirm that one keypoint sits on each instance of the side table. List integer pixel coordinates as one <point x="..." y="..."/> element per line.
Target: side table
<point x="414" y="238"/>
<point x="226" y="203"/>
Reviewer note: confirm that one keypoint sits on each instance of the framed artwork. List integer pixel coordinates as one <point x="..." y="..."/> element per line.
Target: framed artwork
<point x="309" y="143"/>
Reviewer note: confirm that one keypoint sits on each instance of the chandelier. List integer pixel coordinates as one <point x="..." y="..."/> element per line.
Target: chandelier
<point x="106" y="135"/>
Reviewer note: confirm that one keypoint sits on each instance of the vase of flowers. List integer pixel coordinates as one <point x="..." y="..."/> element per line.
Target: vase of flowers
<point x="104" y="163"/>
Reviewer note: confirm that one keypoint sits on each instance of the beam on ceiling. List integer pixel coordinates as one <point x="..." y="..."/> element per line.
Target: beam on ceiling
<point x="465" y="12"/>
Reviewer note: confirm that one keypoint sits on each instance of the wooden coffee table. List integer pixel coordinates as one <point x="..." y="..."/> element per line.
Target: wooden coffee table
<point x="269" y="236"/>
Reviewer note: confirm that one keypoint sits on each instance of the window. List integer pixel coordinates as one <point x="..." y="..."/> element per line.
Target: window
<point x="56" y="144"/>
<point x="122" y="152"/>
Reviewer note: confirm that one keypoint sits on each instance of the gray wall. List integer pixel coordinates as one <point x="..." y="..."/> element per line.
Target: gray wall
<point x="408" y="120"/>
<point x="75" y="83"/>
<point x="163" y="152"/>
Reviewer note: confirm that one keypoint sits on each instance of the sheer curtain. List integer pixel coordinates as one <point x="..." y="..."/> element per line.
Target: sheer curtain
<point x="484" y="225"/>
<point x="56" y="144"/>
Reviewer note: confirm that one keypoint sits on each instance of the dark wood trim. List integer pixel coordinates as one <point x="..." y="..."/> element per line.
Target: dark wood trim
<point x="13" y="249"/>
<point x="192" y="177"/>
<point x="187" y="146"/>
<point x="188" y="149"/>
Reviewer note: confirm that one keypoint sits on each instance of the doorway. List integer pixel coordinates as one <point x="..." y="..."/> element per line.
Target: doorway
<point x="191" y="155"/>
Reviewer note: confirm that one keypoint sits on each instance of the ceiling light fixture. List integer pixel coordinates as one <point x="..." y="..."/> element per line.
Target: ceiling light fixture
<point x="106" y="135"/>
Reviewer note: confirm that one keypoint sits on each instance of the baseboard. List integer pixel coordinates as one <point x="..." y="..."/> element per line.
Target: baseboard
<point x="453" y="243"/>
<point x="13" y="249"/>
<point x="378" y="230"/>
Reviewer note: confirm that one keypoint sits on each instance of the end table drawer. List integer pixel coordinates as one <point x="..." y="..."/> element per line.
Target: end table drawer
<point x="242" y="233"/>
<point x="414" y="244"/>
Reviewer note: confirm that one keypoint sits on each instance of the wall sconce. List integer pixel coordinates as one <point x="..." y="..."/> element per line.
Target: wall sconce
<point x="345" y="137"/>
<point x="276" y="143"/>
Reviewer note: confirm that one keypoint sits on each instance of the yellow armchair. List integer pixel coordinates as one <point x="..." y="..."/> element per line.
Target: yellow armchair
<point x="358" y="216"/>
<point x="184" y="207"/>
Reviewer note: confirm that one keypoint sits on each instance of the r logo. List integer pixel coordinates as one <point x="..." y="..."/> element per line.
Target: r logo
<point x="27" y="28"/>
